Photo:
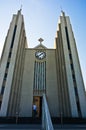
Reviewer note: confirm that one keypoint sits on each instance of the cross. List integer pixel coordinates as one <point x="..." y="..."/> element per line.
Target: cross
<point x="40" y="40"/>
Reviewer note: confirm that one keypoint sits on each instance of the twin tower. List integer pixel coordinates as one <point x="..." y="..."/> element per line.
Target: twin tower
<point x="27" y="73"/>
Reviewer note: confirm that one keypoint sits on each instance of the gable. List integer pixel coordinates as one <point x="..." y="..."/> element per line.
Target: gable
<point x="40" y="46"/>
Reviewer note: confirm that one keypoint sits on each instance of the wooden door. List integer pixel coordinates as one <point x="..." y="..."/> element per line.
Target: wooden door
<point x="36" y="101"/>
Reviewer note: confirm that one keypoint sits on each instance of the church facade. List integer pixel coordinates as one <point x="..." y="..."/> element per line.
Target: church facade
<point x="27" y="73"/>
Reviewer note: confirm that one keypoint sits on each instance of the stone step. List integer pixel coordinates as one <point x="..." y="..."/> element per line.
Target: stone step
<point x="20" y="127"/>
<point x="70" y="127"/>
<point x="20" y="120"/>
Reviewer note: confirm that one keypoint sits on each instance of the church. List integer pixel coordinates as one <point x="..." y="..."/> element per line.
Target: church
<point x="28" y="73"/>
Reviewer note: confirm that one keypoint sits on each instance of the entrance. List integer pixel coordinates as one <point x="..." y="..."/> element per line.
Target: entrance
<point x="37" y="100"/>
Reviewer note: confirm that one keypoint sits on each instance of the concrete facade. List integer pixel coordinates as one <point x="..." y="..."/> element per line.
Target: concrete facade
<point x="28" y="79"/>
<point x="27" y="73"/>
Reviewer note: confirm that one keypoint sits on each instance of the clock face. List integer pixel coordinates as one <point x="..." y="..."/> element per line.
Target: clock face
<point x="40" y="55"/>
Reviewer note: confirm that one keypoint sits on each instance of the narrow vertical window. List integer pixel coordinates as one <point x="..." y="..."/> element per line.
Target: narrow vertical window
<point x="12" y="42"/>
<point x="39" y="77"/>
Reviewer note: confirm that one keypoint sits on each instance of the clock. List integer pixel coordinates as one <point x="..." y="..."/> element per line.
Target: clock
<point x="40" y="55"/>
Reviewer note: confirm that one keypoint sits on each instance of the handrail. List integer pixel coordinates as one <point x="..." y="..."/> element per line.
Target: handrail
<point x="46" y="119"/>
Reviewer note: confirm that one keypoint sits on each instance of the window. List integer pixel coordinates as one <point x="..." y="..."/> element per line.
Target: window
<point x="2" y="90"/>
<point x="68" y="43"/>
<point x="12" y="42"/>
<point x="5" y="76"/>
<point x="78" y="107"/>
<point x="72" y="66"/>
<point x="39" y="76"/>
<point x="7" y="65"/>
<point x="76" y="92"/>
<point x="9" y="55"/>
<point x="70" y="56"/>
<point x="0" y="103"/>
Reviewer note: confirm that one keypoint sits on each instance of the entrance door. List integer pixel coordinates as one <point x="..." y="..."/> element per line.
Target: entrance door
<point x="37" y="100"/>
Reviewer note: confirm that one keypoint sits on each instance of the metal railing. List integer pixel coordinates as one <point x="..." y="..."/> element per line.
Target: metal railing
<point x="46" y="119"/>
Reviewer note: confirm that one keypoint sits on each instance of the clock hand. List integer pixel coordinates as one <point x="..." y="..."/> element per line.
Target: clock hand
<point x="40" y="53"/>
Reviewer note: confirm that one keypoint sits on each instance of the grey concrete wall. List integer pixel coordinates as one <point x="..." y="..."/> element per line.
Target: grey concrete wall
<point x="68" y="71"/>
<point x="77" y="69"/>
<point x="5" y="99"/>
<point x="6" y="51"/>
<point x="51" y="83"/>
<point x="27" y="85"/>
<point x="17" y="76"/>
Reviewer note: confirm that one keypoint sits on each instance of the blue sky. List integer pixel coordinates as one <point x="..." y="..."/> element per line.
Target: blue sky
<point x="41" y="18"/>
